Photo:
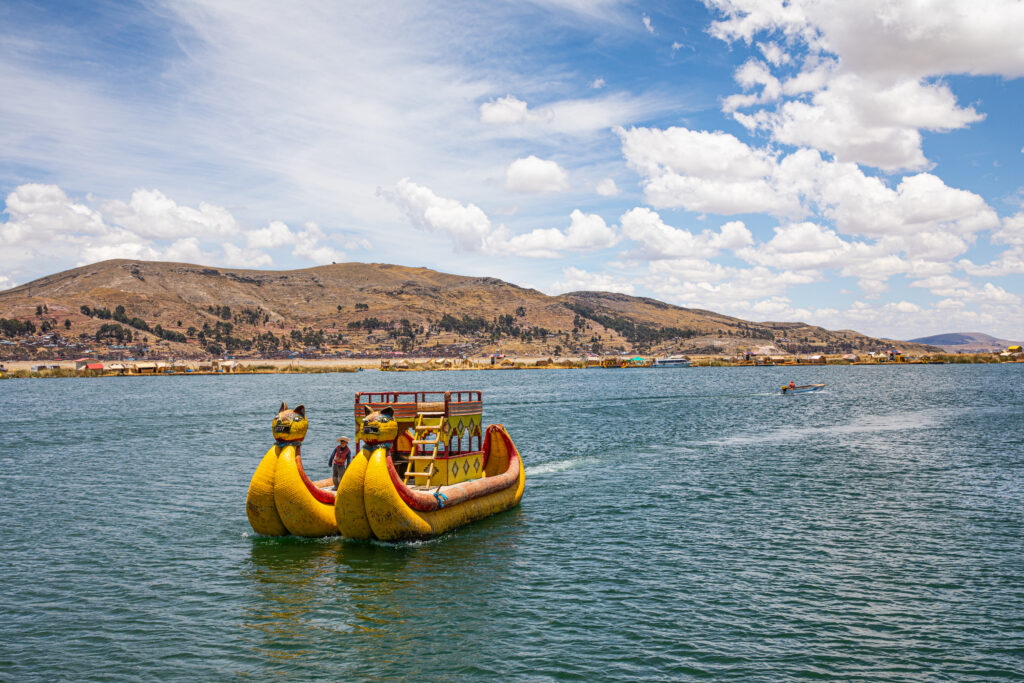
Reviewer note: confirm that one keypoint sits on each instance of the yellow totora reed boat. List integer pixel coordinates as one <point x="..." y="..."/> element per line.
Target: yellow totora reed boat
<point x="411" y="478"/>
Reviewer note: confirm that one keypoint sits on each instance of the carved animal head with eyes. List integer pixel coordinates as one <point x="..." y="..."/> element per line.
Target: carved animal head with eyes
<point x="290" y="425"/>
<point x="378" y="426"/>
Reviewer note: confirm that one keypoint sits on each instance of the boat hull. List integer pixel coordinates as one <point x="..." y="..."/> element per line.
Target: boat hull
<point x="349" y="508"/>
<point x="260" y="506"/>
<point x="305" y="509"/>
<point x="282" y="500"/>
<point x="392" y="511"/>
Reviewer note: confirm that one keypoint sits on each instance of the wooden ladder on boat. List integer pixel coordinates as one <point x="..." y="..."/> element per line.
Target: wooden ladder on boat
<point x="427" y="434"/>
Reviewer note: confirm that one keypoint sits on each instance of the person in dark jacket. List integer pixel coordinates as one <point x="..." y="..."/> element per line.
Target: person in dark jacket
<point x="339" y="460"/>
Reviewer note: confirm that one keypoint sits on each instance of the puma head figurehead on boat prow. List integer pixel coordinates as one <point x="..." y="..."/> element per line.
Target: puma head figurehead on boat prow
<point x="290" y="425"/>
<point x="378" y="426"/>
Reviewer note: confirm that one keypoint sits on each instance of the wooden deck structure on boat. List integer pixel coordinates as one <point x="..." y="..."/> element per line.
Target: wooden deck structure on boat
<point x="440" y="433"/>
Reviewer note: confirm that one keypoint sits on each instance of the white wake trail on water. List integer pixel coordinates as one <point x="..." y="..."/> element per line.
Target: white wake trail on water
<point x="888" y="422"/>
<point x="560" y="466"/>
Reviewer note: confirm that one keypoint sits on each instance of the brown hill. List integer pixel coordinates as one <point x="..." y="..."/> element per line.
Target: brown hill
<point x="376" y="308"/>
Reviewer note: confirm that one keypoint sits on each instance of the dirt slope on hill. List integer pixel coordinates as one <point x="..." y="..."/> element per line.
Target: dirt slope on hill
<point x="371" y="307"/>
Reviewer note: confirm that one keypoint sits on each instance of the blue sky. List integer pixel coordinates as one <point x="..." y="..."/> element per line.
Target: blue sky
<point x="850" y="165"/>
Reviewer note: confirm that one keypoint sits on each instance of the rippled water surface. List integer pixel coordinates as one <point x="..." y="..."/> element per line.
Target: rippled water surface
<point x="676" y="524"/>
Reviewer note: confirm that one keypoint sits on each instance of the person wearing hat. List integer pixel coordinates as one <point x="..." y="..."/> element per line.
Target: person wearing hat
<point x="339" y="460"/>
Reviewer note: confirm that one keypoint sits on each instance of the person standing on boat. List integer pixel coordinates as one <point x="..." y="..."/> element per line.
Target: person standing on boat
<point x="339" y="460"/>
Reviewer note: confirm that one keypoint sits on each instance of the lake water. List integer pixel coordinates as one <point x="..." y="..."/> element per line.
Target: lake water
<point x="676" y="524"/>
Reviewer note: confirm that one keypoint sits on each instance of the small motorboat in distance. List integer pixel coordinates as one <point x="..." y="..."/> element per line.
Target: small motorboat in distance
<point x="802" y="389"/>
<point x="672" y="362"/>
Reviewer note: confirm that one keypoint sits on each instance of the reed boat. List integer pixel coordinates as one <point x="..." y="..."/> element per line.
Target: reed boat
<point x="423" y="466"/>
<point x="802" y="389"/>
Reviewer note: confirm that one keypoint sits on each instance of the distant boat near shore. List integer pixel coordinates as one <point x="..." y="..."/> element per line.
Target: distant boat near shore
<point x="672" y="362"/>
<point x="802" y="389"/>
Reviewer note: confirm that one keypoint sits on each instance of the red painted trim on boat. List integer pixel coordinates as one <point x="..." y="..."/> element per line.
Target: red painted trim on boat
<point x="485" y="447"/>
<point x="424" y="501"/>
<point x="326" y="497"/>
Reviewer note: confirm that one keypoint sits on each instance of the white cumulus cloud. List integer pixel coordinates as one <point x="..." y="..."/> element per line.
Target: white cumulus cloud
<point x="656" y="240"/>
<point x="150" y="214"/>
<point x="40" y="214"/>
<point x="577" y="280"/>
<point x="871" y="69"/>
<point x="716" y="172"/>
<point x="305" y="244"/>
<point x="586" y="232"/>
<point x="704" y="171"/>
<point x="45" y="222"/>
<point x="511" y="116"/>
<point x="470" y="229"/>
<point x="467" y="226"/>
<point x="536" y="176"/>
<point x="858" y="120"/>
<point x="511" y="110"/>
<point x="276" y="234"/>
<point x="804" y="246"/>
<point x="244" y="257"/>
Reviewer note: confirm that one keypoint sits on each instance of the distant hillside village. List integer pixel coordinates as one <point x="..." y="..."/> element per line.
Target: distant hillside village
<point x="139" y="360"/>
<point x="128" y="345"/>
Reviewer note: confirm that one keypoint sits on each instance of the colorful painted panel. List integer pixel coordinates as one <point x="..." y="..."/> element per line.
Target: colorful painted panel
<point x="453" y="469"/>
